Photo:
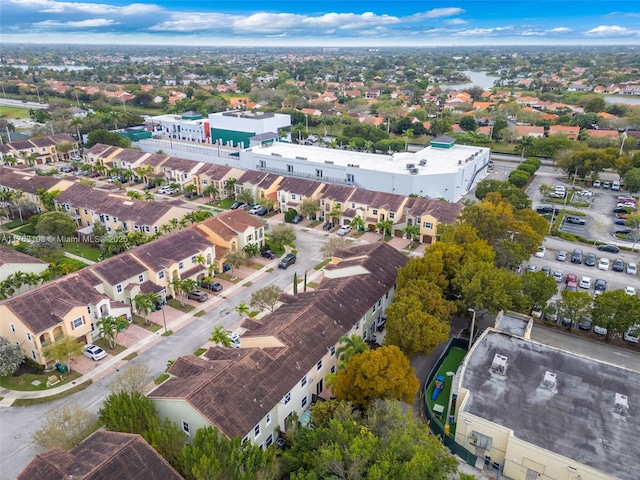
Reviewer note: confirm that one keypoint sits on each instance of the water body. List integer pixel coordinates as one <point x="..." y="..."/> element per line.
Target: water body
<point x="626" y="99"/>
<point x="480" y="79"/>
<point x="56" y="68"/>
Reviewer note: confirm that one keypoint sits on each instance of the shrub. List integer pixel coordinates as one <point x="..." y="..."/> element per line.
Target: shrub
<point x="533" y="161"/>
<point x="527" y="167"/>
<point x="519" y="178"/>
<point x="290" y="215"/>
<point x="33" y="366"/>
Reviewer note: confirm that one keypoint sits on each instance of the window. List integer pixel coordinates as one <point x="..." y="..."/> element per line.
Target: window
<point x="319" y="365"/>
<point x="28" y="336"/>
<point x="78" y="322"/>
<point x="392" y="215"/>
<point x="321" y="202"/>
<point x="161" y="274"/>
<point x="374" y="307"/>
<point x="193" y="259"/>
<point x="428" y="225"/>
<point x="318" y="173"/>
<point x="256" y="430"/>
<point x="356" y="327"/>
<point x="333" y="369"/>
<point x="289" y="168"/>
<point x="304" y="402"/>
<point x="204" y="182"/>
<point x="353" y="205"/>
<point x="140" y="278"/>
<point x="303" y="382"/>
<point x="268" y="418"/>
<point x="33" y="355"/>
<point x="386" y="295"/>
<point x="379" y="302"/>
<point x="245" y="439"/>
<point x="13" y="329"/>
<point x="375" y="212"/>
<point x="185" y="427"/>
<point x="269" y="440"/>
<point x="287" y="398"/>
<point x="106" y="217"/>
<point x="119" y="288"/>
<point x="85" y="211"/>
<point x="333" y="350"/>
<point x="249" y="238"/>
<point x="350" y="178"/>
<point x="293" y="196"/>
<point x="180" y="265"/>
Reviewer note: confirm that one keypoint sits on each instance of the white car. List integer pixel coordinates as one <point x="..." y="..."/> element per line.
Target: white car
<point x="557" y="276"/>
<point x="255" y="209"/>
<point x="604" y="264"/>
<point x="585" y="282"/>
<point x="630" y="290"/>
<point x="344" y="230"/>
<point x="94" y="352"/>
<point x="599" y="330"/>
<point x="561" y="256"/>
<point x="235" y="340"/>
<point x="541" y="252"/>
<point x="633" y="334"/>
<point x="632" y="268"/>
<point x="584" y="193"/>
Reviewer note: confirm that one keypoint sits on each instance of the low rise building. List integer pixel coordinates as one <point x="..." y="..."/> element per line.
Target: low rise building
<point x="231" y="231"/>
<point x="236" y="128"/>
<point x="187" y="126"/>
<point x="537" y="411"/>
<point x="13" y="263"/>
<point x="571" y="132"/>
<point x="250" y="392"/>
<point x="30" y="184"/>
<point x="39" y="150"/>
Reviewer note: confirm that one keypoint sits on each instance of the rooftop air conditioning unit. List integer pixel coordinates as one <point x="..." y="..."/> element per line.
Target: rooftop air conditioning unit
<point x="423" y="162"/>
<point x="549" y="381"/>
<point x="499" y="364"/>
<point x="410" y="166"/>
<point x="413" y="171"/>
<point x="622" y="404"/>
<point x="328" y="161"/>
<point x="459" y="161"/>
<point x="275" y="154"/>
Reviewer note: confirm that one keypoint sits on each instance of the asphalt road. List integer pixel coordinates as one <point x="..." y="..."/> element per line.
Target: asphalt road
<point x="19" y="423"/>
<point x="10" y="102"/>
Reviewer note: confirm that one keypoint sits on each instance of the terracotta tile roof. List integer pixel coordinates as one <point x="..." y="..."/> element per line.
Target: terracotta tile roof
<point x="308" y="324"/>
<point x="99" y="149"/>
<point x="181" y="164"/>
<point x="445" y="212"/>
<point x="9" y="256"/>
<point x="337" y="193"/>
<point x="229" y="224"/>
<point x="26" y="182"/>
<point x="213" y="171"/>
<point x="173" y="248"/>
<point x="155" y="159"/>
<point x="44" y="307"/>
<point x="130" y="156"/>
<point x="299" y="186"/>
<point x="119" y="269"/>
<point x="104" y="455"/>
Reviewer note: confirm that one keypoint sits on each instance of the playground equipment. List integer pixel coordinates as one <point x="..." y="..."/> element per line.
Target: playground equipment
<point x="438" y="387"/>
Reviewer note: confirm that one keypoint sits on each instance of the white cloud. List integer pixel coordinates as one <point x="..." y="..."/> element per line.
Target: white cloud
<point x="611" y="31"/>
<point x="455" y="21"/>
<point x="435" y="13"/>
<point x="52" y="6"/>
<point x="191" y="22"/>
<point x="93" y="22"/>
<point x="559" y="30"/>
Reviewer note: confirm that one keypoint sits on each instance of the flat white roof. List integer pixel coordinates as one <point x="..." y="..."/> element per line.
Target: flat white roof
<point x="438" y="160"/>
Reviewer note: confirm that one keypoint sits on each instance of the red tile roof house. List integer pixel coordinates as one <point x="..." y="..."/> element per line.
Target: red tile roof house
<point x="104" y="455"/>
<point x="520" y="131"/>
<point x="12" y="262"/>
<point x="571" y="132"/>
<point x="249" y="392"/>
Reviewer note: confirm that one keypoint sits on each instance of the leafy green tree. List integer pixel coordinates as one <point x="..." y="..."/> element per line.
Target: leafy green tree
<point x="107" y="138"/>
<point x="632" y="180"/>
<point x="266" y="297"/>
<point x="519" y="178"/>
<point x="235" y="260"/>
<point x="56" y="224"/>
<point x="616" y="311"/>
<point x="245" y="196"/>
<point x="538" y="287"/>
<point x="64" y="348"/>
<point x="334" y="244"/>
<point x="377" y="374"/>
<point x="482" y="285"/>
<point x="351" y="345"/>
<point x="11" y="356"/>
<point x="145" y="304"/>
<point x="64" y="427"/>
<point x="110" y="326"/>
<point x="221" y="337"/>
<point x="128" y="412"/>
<point x="468" y="123"/>
<point x="242" y="309"/>
<point x="384" y="227"/>
<point x="47" y="198"/>
<point x="309" y="207"/>
<point x="282" y="235"/>
<point x="211" y="456"/>
<point x="167" y="438"/>
<point x="575" y="306"/>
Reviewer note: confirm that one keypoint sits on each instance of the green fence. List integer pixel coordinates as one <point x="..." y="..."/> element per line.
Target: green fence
<point x="434" y="424"/>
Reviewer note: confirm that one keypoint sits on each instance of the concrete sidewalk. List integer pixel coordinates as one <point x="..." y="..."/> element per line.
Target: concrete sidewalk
<point x="8" y="396"/>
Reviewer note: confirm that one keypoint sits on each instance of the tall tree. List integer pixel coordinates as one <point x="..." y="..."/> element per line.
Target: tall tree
<point x="221" y="337"/>
<point x="351" y="345"/>
<point x="64" y="348"/>
<point x="11" y="356"/>
<point x="266" y="297"/>
<point x="56" y="224"/>
<point x="616" y="311"/>
<point x="575" y="306"/>
<point x="377" y="374"/>
<point x="145" y="303"/>
<point x="64" y="427"/>
<point x="282" y="235"/>
<point x="128" y="412"/>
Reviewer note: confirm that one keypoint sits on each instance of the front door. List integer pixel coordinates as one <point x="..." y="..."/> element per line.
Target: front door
<point x="319" y="387"/>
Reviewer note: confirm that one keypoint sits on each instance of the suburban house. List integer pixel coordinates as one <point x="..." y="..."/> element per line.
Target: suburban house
<point x="13" y="262"/>
<point x="101" y="154"/>
<point x="128" y="159"/>
<point x="231" y="231"/>
<point x="283" y="360"/>
<point x="40" y="150"/>
<point x="571" y="132"/>
<point x="180" y="170"/>
<point x="103" y="455"/>
<point x="29" y="183"/>
<point x="216" y="176"/>
<point x="428" y="214"/>
<point x="520" y="131"/>
<point x="88" y="205"/>
<point x="69" y="306"/>
<point x="259" y="184"/>
<point x="292" y="191"/>
<point x="333" y="196"/>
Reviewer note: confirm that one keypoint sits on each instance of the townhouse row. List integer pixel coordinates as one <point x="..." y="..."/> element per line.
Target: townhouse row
<point x="74" y="304"/>
<point x="40" y="150"/>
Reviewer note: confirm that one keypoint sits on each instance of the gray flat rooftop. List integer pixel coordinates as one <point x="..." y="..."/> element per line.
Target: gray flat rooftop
<point x="576" y="419"/>
<point x="515" y="325"/>
<point x="438" y="160"/>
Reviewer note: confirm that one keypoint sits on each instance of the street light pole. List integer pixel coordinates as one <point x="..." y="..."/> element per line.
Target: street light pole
<point x="37" y="92"/>
<point x="473" y="325"/>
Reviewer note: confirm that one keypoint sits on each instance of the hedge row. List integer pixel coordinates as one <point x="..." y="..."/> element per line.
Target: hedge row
<point x="520" y="176"/>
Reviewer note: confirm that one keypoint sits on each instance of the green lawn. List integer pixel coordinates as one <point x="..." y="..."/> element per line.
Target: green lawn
<point x="23" y="382"/>
<point x="82" y="250"/>
<point x="178" y="306"/>
<point x="13" y="112"/>
<point x="451" y="363"/>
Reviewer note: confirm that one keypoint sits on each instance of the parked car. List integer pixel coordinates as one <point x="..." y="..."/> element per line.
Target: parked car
<point x="585" y="324"/>
<point x="575" y="220"/>
<point x="532" y="268"/>
<point x="288" y="260"/>
<point x="584" y="193"/>
<point x="570" y="278"/>
<point x="632" y="268"/>
<point x="620" y="221"/>
<point x="327" y="226"/>
<point x="585" y="282"/>
<point x="596" y="184"/>
<point x="561" y="256"/>
<point x="551" y="312"/>
<point x="297" y="219"/>
<point x="557" y="276"/>
<point x="262" y="211"/>
<point x="236" y="205"/>
<point x="633" y="334"/>
<point x="590" y="260"/>
<point x="198" y="296"/>
<point x="541" y="252"/>
<point x="536" y="312"/>
<point x="599" y="330"/>
<point x="255" y="209"/>
<point x="344" y="230"/>
<point x="618" y="265"/>
<point x="629" y="290"/>
<point x="609" y="248"/>
<point x="621" y="210"/>
<point x="213" y="286"/>
<point x="235" y="340"/>
<point x="576" y="256"/>
<point x="600" y="285"/>
<point x="245" y="206"/>
<point x="606" y="185"/>
<point x="268" y="254"/>
<point x="547" y="210"/>
<point x="547" y="270"/>
<point x="603" y="264"/>
<point x="94" y="352"/>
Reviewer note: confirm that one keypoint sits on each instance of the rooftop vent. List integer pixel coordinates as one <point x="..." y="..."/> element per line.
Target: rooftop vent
<point x="423" y="161"/>
<point x="459" y="161"/>
<point x="413" y="171"/>
<point x="275" y="154"/>
<point x="329" y="161"/>
<point x="499" y="364"/>
<point x="622" y="405"/>
<point x="410" y="166"/>
<point x="300" y="158"/>
<point x="549" y="381"/>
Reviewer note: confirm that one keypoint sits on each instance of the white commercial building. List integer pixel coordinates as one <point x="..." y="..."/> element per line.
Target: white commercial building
<point x="441" y="170"/>
<point x="188" y="126"/>
<point x="236" y="128"/>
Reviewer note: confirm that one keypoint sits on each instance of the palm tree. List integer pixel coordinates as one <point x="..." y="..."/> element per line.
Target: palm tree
<point x="211" y="192"/>
<point x="221" y="337"/>
<point x="109" y="328"/>
<point x="336" y="212"/>
<point x="230" y="185"/>
<point x="77" y="122"/>
<point x="145" y="304"/>
<point x="384" y="227"/>
<point x="243" y="309"/>
<point x="189" y="189"/>
<point x="357" y="222"/>
<point x="134" y="195"/>
<point x="17" y="197"/>
<point x="525" y="142"/>
<point x="251" y="249"/>
<point x="351" y="345"/>
<point x="411" y="231"/>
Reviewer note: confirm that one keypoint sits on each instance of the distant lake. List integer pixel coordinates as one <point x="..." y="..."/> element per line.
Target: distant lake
<point x="626" y="99"/>
<point x="480" y="79"/>
<point x="57" y="68"/>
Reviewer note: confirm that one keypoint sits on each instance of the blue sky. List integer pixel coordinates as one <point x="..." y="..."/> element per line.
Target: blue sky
<point x="328" y="23"/>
